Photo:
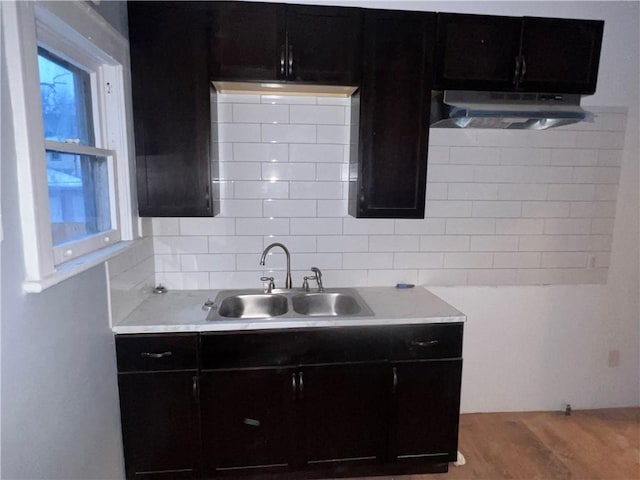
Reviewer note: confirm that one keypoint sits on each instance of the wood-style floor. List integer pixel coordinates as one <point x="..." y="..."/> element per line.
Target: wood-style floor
<point x="588" y="445"/>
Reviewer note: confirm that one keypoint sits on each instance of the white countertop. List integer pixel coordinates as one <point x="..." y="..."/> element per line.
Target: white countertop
<point x="181" y="311"/>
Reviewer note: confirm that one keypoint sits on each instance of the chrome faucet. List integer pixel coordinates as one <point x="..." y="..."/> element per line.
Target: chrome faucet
<point x="287" y="283"/>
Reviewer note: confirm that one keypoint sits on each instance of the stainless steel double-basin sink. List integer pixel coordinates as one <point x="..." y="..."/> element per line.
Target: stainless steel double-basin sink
<point x="288" y="303"/>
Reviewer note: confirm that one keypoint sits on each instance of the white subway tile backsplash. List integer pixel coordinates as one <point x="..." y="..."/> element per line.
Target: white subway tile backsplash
<point x="394" y="243"/>
<point x="262" y="226"/>
<point x="239" y="132"/>
<point x="333" y="134"/>
<point x="290" y="208"/>
<point x="472" y="191"/>
<point x="259" y="152"/>
<point x="260" y="113"/>
<point x="444" y="243"/>
<point x="567" y="226"/>
<point x="571" y="157"/>
<point x="343" y="243"/>
<point x="235" y="244"/>
<point x="516" y="259"/>
<point x="165" y="226"/>
<point x="494" y="276"/>
<point x="295" y="243"/>
<point x="389" y="278"/>
<point x="180" y="245"/>
<point x="418" y="260"/>
<point x="261" y="190"/>
<point x="367" y="261"/>
<point x="207" y="226"/>
<point x="468" y="260"/>
<point x="288" y="133"/>
<point x="317" y="190"/>
<point x="367" y="226"/>
<point x="448" y="208"/>
<point x="316" y="153"/>
<point x="522" y="191"/>
<point x="428" y="226"/>
<point x="494" y="243"/>
<point x="546" y="209"/>
<point x="442" y="277"/>
<point x="332" y="208"/>
<point x="519" y="226"/>
<point x="609" y="158"/>
<point x="500" y="209"/>
<point x="241" y="208"/>
<point x="288" y="171"/>
<point x="474" y="156"/>
<point x="503" y="207"/>
<point x="470" y="226"/>
<point x="207" y="263"/>
<point x="316" y="226"/>
<point x="564" y="259"/>
<point x="240" y="171"/>
<point x="317" y="114"/>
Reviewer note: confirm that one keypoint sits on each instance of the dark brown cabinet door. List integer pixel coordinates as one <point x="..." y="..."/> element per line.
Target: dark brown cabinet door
<point x="248" y="41"/>
<point x="171" y="108"/>
<point x="160" y="424"/>
<point x="477" y="52"/>
<point x="323" y="44"/>
<point x="343" y="412"/>
<point x="247" y="420"/>
<point x="390" y="116"/>
<point x="560" y="56"/>
<point x="426" y="406"/>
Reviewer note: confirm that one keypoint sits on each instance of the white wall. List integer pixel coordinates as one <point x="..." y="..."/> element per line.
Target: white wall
<point x="60" y="412"/>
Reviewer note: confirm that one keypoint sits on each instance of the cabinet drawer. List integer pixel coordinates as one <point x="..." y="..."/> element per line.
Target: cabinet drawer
<point x="156" y="352"/>
<point x="246" y="350"/>
<point x="342" y="345"/>
<point x="427" y="341"/>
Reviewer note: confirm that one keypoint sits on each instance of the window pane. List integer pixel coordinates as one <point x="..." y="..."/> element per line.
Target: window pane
<point x="78" y="194"/>
<point x="65" y="93"/>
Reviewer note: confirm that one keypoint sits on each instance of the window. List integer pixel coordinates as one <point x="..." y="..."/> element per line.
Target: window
<point x="68" y="76"/>
<point x="81" y="203"/>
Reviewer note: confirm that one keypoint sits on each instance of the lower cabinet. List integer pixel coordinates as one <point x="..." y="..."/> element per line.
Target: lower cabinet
<point x="159" y="424"/>
<point x="247" y="420"/>
<point x="317" y="403"/>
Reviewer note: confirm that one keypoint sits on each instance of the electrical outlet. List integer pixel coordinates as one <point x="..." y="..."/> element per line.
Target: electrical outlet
<point x="591" y="262"/>
<point x="614" y="358"/>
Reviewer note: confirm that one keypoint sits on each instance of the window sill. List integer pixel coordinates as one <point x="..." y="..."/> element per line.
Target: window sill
<point x="74" y="267"/>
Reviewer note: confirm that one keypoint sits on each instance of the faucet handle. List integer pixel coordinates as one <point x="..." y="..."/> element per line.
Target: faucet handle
<point x="272" y="284"/>
<point x="305" y="282"/>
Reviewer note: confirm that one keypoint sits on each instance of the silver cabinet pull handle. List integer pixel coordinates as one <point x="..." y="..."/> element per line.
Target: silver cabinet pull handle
<point x="293" y="385"/>
<point x="290" y="60"/>
<point x="301" y="380"/>
<point x="429" y="343"/>
<point x="156" y="355"/>
<point x="516" y="73"/>
<point x="395" y="380"/>
<point x="282" y="60"/>
<point x="523" y="69"/>
<point x="195" y="388"/>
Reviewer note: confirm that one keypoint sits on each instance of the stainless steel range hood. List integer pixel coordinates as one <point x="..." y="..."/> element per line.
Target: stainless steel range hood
<point x="534" y="111"/>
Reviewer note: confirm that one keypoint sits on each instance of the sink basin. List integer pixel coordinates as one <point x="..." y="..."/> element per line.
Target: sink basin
<point x="325" y="304"/>
<point x="253" y="306"/>
<point x="287" y="304"/>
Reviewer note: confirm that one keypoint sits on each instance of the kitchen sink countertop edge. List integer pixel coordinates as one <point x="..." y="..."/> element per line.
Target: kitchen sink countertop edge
<point x="181" y="311"/>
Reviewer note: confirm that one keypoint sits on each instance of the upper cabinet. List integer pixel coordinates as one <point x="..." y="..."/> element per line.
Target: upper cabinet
<point x="390" y="116"/>
<point x="265" y="42"/>
<point x="478" y="52"/>
<point x="171" y="109"/>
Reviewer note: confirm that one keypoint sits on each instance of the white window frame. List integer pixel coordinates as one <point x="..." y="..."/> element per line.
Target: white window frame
<point x="76" y="33"/>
